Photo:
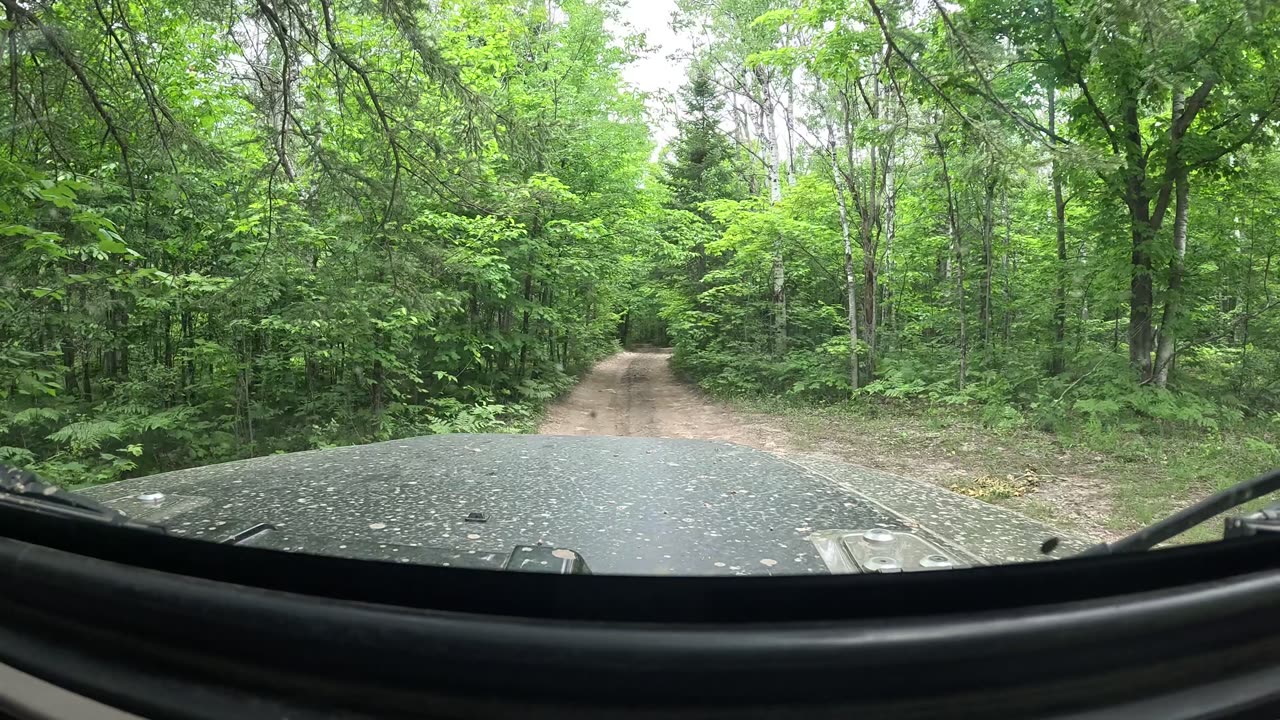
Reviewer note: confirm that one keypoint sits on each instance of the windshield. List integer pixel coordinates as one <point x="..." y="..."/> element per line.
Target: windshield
<point x="672" y="286"/>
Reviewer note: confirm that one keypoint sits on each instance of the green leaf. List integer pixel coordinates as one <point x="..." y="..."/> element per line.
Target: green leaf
<point x="113" y="246"/>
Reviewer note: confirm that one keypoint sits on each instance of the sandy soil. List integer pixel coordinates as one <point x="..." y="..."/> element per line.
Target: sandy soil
<point x="635" y="393"/>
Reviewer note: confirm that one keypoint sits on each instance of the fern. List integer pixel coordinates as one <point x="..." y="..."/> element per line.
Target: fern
<point x="165" y="419"/>
<point x="21" y="457"/>
<point x="87" y="435"/>
<point x="32" y="416"/>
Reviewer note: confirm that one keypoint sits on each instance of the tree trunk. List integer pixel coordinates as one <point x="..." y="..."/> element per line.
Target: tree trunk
<point x="848" y="266"/>
<point x="988" y="259"/>
<point x="789" y="115"/>
<point x="166" y="320"/>
<point x="376" y="393"/>
<point x="122" y="343"/>
<point x="1173" y="299"/>
<point x="889" y="306"/>
<point x="864" y="201"/>
<point x="110" y="353"/>
<point x="769" y="136"/>
<point x="871" y="222"/>
<point x="12" y="38"/>
<point x="1057" y="364"/>
<point x="69" y="381"/>
<point x="742" y="119"/>
<point x="524" y="323"/>
<point x="1248" y="310"/>
<point x="88" y="382"/>
<point x="244" y="397"/>
<point x="1141" y="342"/>
<point x="188" y="344"/>
<point x="957" y="249"/>
<point x="869" y="281"/>
<point x="779" y="298"/>
<point x="1138" y="200"/>
<point x="1005" y="270"/>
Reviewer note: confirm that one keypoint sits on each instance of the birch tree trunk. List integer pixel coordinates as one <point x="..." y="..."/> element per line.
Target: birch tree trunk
<point x="768" y="132"/>
<point x="863" y="193"/>
<point x="957" y="252"/>
<point x="789" y="116"/>
<point x="1057" y="363"/>
<point x="848" y="264"/>
<point x="871" y="223"/>
<point x="988" y="258"/>
<point x="1007" y="315"/>
<point x="742" y="119"/>
<point x="889" y="308"/>
<point x="1173" y="299"/>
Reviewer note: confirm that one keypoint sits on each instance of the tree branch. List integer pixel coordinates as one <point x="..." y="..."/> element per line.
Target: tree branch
<point x="346" y="59"/>
<point x="989" y="93"/>
<point x="1173" y="155"/>
<point x="1084" y="89"/>
<point x="1245" y="139"/>
<point x="64" y="54"/>
<point x="893" y="45"/>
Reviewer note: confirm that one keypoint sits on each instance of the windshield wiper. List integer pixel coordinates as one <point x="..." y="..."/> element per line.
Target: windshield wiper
<point x="23" y="489"/>
<point x="1192" y="515"/>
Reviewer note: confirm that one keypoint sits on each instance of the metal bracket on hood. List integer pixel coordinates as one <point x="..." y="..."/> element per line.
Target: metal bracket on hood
<point x="879" y="550"/>
<point x="546" y="559"/>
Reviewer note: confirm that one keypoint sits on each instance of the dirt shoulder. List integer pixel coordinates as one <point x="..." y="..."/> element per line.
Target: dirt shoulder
<point x="636" y="393"/>
<point x="1025" y="471"/>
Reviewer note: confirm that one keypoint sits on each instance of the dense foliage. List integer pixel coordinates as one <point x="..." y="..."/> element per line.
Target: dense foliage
<point x="1051" y="214"/>
<point x="246" y="227"/>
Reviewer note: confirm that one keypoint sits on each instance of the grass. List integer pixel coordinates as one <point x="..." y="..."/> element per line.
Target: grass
<point x="1099" y="482"/>
<point x="1155" y="474"/>
<point x="1043" y="512"/>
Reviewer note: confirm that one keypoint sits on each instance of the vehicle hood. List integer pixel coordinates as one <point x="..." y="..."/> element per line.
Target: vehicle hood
<point x="626" y="505"/>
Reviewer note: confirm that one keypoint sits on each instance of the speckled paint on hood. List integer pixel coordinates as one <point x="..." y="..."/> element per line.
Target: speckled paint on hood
<point x="628" y="505"/>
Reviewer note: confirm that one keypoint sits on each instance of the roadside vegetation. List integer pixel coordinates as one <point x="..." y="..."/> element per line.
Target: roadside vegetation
<point x="245" y="227"/>
<point x="1039" y="238"/>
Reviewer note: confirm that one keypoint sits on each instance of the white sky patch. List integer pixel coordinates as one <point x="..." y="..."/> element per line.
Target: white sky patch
<point x="660" y="72"/>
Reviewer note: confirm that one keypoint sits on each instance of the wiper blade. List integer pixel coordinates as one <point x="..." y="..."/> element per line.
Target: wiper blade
<point x="24" y="489"/>
<point x="1187" y="518"/>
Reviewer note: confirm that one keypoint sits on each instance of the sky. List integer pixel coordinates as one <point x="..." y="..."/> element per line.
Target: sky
<point x="656" y="73"/>
<point x="659" y="74"/>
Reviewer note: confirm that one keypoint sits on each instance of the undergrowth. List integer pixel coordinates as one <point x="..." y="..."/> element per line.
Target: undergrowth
<point x="1017" y="431"/>
<point x="126" y="435"/>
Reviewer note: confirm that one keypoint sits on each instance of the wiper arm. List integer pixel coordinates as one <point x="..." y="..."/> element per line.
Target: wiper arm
<point x="23" y="489"/>
<point x="1187" y="518"/>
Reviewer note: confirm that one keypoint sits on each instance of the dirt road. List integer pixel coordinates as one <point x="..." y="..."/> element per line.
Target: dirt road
<point x="635" y="393"/>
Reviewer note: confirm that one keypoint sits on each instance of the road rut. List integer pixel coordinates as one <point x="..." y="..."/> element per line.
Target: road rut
<point x="635" y="393"/>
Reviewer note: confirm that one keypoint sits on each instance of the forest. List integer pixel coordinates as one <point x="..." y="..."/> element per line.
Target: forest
<point x="255" y="226"/>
